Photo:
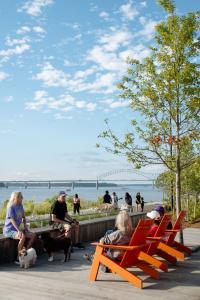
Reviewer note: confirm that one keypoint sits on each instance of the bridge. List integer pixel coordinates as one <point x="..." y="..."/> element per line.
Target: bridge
<point x="70" y="183"/>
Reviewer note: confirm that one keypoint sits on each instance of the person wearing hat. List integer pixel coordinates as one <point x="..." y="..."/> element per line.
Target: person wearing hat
<point x="155" y="216"/>
<point x="63" y="221"/>
<point x="161" y="210"/>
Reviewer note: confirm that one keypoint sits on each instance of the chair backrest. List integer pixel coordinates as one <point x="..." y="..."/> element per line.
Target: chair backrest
<point x="160" y="232"/>
<point x="179" y="222"/>
<point x="163" y="225"/>
<point x="177" y="226"/>
<point x="138" y="238"/>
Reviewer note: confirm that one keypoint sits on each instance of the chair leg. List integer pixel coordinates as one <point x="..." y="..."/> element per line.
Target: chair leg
<point x="116" y="268"/>
<point x="95" y="264"/>
<point x="171" y="251"/>
<point x="167" y="257"/>
<point x="182" y="247"/>
<point x="153" y="261"/>
<point x="148" y="270"/>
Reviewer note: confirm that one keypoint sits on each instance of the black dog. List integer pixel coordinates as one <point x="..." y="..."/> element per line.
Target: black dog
<point x="56" y="241"/>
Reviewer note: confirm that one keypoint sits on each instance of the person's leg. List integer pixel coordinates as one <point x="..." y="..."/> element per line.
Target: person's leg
<point x="31" y="238"/>
<point x="78" y="208"/>
<point x="21" y="237"/>
<point x="74" y="209"/>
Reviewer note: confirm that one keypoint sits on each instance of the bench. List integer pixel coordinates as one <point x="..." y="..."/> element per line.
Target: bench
<point x="90" y="230"/>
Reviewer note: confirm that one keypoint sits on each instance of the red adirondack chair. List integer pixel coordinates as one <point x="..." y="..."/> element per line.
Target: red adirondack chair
<point x="170" y="241"/>
<point x="161" y="248"/>
<point x="130" y="258"/>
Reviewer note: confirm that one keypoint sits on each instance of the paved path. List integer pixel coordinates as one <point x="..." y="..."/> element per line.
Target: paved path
<point x="61" y="281"/>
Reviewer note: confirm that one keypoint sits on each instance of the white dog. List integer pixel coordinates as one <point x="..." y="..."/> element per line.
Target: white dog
<point x="27" y="258"/>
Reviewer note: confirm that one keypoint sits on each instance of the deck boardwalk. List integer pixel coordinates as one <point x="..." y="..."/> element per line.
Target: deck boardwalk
<point x="57" y="280"/>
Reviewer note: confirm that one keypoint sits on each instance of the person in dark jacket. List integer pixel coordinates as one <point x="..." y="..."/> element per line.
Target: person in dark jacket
<point x="128" y="199"/>
<point x="107" y="198"/>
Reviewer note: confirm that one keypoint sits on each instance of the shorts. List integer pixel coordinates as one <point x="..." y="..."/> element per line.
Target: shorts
<point x="11" y="234"/>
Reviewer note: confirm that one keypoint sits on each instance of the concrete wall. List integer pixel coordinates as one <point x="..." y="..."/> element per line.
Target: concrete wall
<point x="89" y="231"/>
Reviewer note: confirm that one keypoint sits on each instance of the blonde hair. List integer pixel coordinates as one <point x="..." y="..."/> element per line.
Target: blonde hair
<point x="14" y="198"/>
<point x="123" y="221"/>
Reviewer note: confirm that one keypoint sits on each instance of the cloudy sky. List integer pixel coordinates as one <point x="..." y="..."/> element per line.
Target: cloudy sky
<point x="60" y="61"/>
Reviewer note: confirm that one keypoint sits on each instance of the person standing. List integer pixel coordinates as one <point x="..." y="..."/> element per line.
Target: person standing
<point x="76" y="204"/>
<point x="142" y="204"/>
<point x="114" y="200"/>
<point x="128" y="199"/>
<point x="106" y="198"/>
<point x="138" y="200"/>
<point x="14" y="217"/>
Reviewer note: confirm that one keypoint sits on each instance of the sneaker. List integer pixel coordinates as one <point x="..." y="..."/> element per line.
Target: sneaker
<point x="50" y="259"/>
<point x="79" y="246"/>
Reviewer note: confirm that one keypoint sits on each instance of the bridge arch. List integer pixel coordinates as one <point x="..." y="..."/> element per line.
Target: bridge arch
<point x="150" y="177"/>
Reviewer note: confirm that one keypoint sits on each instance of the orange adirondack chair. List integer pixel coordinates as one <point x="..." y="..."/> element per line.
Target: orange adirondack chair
<point x="170" y="241"/>
<point x="161" y="248"/>
<point x="130" y="258"/>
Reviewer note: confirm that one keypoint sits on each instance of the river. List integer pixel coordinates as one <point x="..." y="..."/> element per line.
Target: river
<point x="39" y="194"/>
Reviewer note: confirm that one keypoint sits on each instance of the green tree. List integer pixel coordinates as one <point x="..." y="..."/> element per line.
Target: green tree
<point x="164" y="91"/>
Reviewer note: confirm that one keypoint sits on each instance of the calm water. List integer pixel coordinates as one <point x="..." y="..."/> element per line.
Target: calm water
<point x="39" y="194"/>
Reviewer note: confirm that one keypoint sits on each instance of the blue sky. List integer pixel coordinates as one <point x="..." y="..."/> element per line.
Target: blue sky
<point x="59" y="65"/>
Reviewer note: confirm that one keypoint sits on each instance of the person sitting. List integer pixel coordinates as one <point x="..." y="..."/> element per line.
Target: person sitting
<point x="63" y="221"/>
<point x="161" y="210"/>
<point x="155" y="216"/>
<point x="107" y="198"/>
<point x="14" y="217"/>
<point x="121" y="235"/>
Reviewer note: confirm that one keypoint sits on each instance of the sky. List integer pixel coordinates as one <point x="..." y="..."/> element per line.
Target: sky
<point x="60" y="61"/>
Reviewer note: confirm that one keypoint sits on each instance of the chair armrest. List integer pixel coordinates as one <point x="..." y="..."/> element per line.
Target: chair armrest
<point x="154" y="238"/>
<point x="119" y="247"/>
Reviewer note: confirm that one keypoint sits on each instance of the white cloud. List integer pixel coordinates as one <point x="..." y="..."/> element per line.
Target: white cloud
<point x="107" y="61"/>
<point x="63" y="103"/>
<point x="17" y="50"/>
<point x="111" y="42"/>
<point x="128" y="11"/>
<point x="116" y="104"/>
<point x="52" y="77"/>
<point x="143" y="3"/>
<point x="23" y="29"/>
<point x="148" y="30"/>
<point x="104" y="15"/>
<point x="38" y="29"/>
<point x="34" y="7"/>
<point x="9" y="99"/>
<point x="3" y="75"/>
<point x="12" y="42"/>
<point x="138" y="52"/>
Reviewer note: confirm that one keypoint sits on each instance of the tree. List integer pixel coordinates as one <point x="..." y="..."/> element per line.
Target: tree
<point x="164" y="91"/>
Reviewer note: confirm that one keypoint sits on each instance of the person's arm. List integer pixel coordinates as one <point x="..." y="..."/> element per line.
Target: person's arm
<point x="54" y="219"/>
<point x="70" y="219"/>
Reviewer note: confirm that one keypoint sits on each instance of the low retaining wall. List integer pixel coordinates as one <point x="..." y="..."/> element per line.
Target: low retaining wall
<point x="89" y="231"/>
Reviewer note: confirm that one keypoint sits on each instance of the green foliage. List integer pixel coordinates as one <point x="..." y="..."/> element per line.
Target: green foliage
<point x="164" y="91"/>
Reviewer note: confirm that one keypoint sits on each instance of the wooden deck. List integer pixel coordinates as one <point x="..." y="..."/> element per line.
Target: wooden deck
<point x="69" y="280"/>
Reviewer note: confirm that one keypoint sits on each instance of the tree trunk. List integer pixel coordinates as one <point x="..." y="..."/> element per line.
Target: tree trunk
<point x="178" y="188"/>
